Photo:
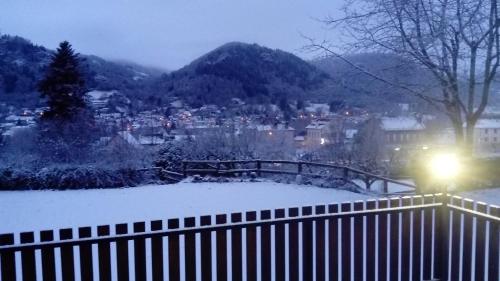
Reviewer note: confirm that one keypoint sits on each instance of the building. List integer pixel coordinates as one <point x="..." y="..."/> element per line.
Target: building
<point x="407" y="132"/>
<point x="487" y="136"/>
<point x="321" y="132"/>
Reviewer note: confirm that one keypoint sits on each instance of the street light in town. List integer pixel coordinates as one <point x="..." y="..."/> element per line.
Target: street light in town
<point x="444" y="166"/>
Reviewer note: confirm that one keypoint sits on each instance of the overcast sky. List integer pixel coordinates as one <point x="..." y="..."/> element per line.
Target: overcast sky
<point x="165" y="33"/>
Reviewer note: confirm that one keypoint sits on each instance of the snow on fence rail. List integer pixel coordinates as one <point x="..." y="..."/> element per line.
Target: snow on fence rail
<point x="345" y="173"/>
<point x="386" y="239"/>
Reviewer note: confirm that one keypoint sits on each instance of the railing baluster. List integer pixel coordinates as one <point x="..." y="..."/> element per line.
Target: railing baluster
<point x="48" y="258"/>
<point x="467" y="242"/>
<point x="493" y="253"/>
<point x="456" y="229"/>
<point x="382" y="240"/>
<point x="370" y="241"/>
<point x="307" y="245"/>
<point x="140" y="252"/>
<point x="206" y="249"/>
<point x="265" y="248"/>
<point x="190" y="249"/>
<point x="122" y="253"/>
<point x="174" y="271"/>
<point x="333" y="243"/>
<point x="87" y="271"/>
<point x="104" y="253"/>
<point x="28" y="257"/>
<point x="480" y="241"/>
<point x="279" y="246"/>
<point x="346" y="243"/>
<point x="358" y="242"/>
<point x="293" y="246"/>
<point x="157" y="251"/>
<point x="320" y="243"/>
<point x="417" y="239"/>
<point x="394" y="240"/>
<point x="67" y="256"/>
<point x="427" y="266"/>
<point x="405" y="240"/>
<point x="251" y="245"/>
<point x="7" y="259"/>
<point x="236" y="249"/>
<point x="221" y="240"/>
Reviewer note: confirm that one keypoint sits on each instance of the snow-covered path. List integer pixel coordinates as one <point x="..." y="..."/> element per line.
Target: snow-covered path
<point x="38" y="210"/>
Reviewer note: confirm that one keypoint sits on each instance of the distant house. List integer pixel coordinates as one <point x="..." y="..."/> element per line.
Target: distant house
<point x="403" y="131"/>
<point x="323" y="132"/>
<point x="487" y="136"/>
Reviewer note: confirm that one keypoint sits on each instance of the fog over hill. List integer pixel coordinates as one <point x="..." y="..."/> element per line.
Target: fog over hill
<point x="358" y="88"/>
<point x="22" y="64"/>
<point x="252" y="73"/>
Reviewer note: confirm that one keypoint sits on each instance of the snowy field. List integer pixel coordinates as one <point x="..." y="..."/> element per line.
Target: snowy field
<point x="39" y="210"/>
<point x="490" y="196"/>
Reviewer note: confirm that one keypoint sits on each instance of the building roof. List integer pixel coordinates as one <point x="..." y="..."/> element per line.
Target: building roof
<point x="488" y="124"/>
<point x="318" y="125"/>
<point x="401" y="124"/>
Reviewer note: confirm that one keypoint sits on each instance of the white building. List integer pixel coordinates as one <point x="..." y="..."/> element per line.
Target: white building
<point x="403" y="131"/>
<point x="487" y="136"/>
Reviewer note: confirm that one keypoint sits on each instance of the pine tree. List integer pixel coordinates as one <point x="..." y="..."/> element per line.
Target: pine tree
<point x="63" y="85"/>
<point x="67" y="129"/>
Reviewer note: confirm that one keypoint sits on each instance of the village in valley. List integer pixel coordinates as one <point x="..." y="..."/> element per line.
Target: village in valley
<point x="312" y="133"/>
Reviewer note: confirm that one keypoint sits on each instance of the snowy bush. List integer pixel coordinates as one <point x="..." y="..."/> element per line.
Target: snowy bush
<point x="81" y="177"/>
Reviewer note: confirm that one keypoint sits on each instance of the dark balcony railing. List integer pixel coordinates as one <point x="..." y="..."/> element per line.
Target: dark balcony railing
<point x="386" y="239"/>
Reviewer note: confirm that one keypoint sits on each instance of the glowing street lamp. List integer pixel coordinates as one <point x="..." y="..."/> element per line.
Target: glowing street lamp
<point x="444" y="166"/>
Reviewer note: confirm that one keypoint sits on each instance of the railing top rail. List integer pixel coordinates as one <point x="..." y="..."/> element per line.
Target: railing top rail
<point x="325" y="165"/>
<point x="180" y="231"/>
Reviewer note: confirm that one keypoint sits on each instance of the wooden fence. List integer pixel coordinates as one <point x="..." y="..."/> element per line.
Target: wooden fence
<point x="386" y="239"/>
<point x="285" y="167"/>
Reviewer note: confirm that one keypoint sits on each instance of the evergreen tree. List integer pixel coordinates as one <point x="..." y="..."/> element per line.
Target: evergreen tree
<point x="67" y="128"/>
<point x="63" y="85"/>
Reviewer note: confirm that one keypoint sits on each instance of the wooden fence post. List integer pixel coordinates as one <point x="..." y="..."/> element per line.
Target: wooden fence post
<point x="259" y="166"/>
<point x="386" y="186"/>
<point x="346" y="173"/>
<point x="184" y="168"/>
<point x="217" y="167"/>
<point x="299" y="168"/>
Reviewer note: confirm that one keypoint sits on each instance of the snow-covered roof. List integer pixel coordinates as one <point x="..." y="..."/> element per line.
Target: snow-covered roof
<point x="350" y="133"/>
<point x="317" y="125"/>
<point x="129" y="138"/>
<point x="279" y="127"/>
<point x="13" y="130"/>
<point x="401" y="124"/>
<point x="151" y="140"/>
<point x="315" y="107"/>
<point x="488" y="124"/>
<point x="99" y="95"/>
<point x="19" y="117"/>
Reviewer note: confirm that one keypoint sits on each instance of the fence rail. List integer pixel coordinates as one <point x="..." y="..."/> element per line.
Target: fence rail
<point x="383" y="239"/>
<point x="224" y="167"/>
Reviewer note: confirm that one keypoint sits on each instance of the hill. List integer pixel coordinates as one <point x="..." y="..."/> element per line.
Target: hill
<point x="22" y="64"/>
<point x="249" y="72"/>
<point x="356" y="88"/>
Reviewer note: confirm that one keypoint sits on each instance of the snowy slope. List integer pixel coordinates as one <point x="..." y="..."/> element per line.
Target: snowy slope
<point x="38" y="210"/>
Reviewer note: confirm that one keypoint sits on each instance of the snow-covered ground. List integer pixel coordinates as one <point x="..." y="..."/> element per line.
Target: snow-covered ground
<point x="39" y="210"/>
<point x="490" y="196"/>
